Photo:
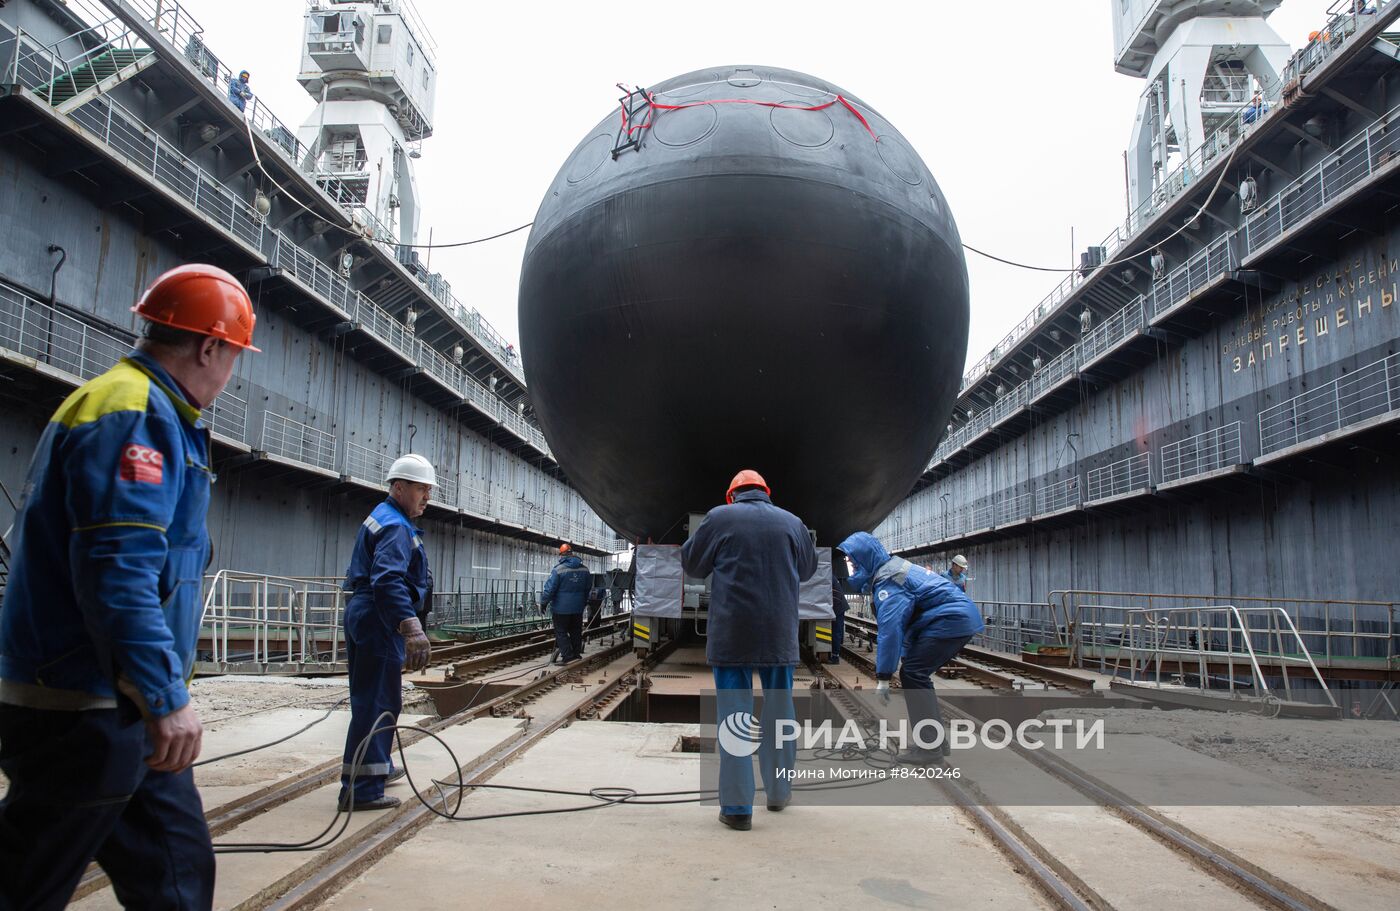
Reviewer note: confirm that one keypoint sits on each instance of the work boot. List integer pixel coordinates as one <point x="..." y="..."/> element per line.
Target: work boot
<point x="379" y="803"/>
<point x="741" y="822"/>
<point x="834" y="659"/>
<point x="396" y="775"/>
<point x="777" y="805"/>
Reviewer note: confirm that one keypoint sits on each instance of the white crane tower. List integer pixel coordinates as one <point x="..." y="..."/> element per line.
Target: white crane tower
<point x="369" y="64"/>
<point x="1204" y="62"/>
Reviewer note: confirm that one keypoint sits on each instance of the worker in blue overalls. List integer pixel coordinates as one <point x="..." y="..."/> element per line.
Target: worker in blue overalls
<point x="924" y="619"/>
<point x="565" y="594"/>
<point x="956" y="572"/>
<point x="388" y="580"/>
<point x="101" y="616"/>
<point x="238" y="91"/>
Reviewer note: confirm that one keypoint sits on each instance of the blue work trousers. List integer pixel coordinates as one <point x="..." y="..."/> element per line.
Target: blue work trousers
<point x="80" y="790"/>
<point x="921" y="661"/>
<point x="568" y="636"/>
<point x="838" y="632"/>
<point x="734" y="693"/>
<point x="375" y="654"/>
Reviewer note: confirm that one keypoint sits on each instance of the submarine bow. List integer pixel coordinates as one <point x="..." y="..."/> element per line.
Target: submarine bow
<point x="751" y="269"/>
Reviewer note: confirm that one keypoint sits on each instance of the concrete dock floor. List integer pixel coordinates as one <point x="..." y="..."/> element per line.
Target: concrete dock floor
<point x="679" y="856"/>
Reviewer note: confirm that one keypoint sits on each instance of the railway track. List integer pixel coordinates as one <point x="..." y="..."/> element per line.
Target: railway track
<point x="322" y="876"/>
<point x="1156" y="832"/>
<point x="228" y="816"/>
<point x="990" y="669"/>
<point x="467" y="657"/>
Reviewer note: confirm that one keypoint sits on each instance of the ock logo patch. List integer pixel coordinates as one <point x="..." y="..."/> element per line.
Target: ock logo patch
<point x="142" y="463"/>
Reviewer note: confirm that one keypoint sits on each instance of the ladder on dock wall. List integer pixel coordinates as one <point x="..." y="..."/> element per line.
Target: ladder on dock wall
<point x="94" y="75"/>
<point x="111" y="53"/>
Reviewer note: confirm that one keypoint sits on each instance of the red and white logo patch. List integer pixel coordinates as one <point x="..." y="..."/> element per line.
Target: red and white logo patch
<point x="141" y="463"/>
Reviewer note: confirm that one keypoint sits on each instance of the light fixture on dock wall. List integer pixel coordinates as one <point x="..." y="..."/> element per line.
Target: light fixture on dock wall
<point x="410" y="319"/>
<point x="1036" y="362"/>
<point x="208" y="132"/>
<point x="457" y="354"/>
<point x="261" y="203"/>
<point x="346" y="262"/>
<point x="1086" y="320"/>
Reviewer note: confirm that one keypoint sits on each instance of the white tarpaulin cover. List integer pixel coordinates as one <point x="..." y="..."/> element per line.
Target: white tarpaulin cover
<point x="814" y="598"/>
<point x="658" y="580"/>
<point x="659" y="584"/>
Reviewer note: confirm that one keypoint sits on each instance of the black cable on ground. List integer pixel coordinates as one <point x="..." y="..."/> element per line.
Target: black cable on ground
<point x="273" y="743"/>
<point x="601" y="797"/>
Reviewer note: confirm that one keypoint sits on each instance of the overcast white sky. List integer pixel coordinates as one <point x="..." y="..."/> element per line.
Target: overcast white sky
<point x="1014" y="105"/>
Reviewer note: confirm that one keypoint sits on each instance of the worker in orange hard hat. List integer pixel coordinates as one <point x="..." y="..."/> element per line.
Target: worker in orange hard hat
<point x="102" y="610"/>
<point x="565" y="595"/>
<point x="757" y="557"/>
<point x="744" y="480"/>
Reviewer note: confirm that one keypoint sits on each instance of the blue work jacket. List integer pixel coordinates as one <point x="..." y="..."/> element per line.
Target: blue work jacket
<point x="239" y="93"/>
<point x="910" y="602"/>
<point x="960" y="581"/>
<point x="388" y="570"/>
<point x="759" y="556"/>
<point x="566" y="590"/>
<point x="110" y="548"/>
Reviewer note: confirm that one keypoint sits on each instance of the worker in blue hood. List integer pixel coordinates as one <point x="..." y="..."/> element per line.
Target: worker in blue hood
<point x="923" y="619"/>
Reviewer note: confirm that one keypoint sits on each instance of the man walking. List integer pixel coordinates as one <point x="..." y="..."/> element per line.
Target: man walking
<point x="388" y="580"/>
<point x="759" y="555"/>
<point x="102" y="611"/>
<point x="565" y="594"/>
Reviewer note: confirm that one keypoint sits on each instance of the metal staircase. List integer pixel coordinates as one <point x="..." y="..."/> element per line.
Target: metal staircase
<point x="74" y="70"/>
<point x="93" y="73"/>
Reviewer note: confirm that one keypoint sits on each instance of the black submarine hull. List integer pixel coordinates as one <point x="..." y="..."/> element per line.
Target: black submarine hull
<point x="753" y="287"/>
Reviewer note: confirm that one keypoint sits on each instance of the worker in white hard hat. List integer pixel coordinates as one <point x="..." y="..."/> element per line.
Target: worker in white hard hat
<point x="956" y="572"/>
<point x="388" y="580"/>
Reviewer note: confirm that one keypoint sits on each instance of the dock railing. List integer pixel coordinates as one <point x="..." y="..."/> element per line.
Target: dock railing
<point x="1363" y="394"/>
<point x="1338" y="634"/>
<point x="1118" y="478"/>
<point x="1147" y="644"/>
<point x="1217" y="448"/>
<point x="254" y="621"/>
<point x="1012" y="626"/>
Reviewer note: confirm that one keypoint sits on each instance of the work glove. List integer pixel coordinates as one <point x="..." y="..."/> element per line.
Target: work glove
<point x="882" y="688"/>
<point x="415" y="644"/>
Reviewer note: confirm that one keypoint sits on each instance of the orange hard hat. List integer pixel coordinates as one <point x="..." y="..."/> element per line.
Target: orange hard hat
<point x="746" y="478"/>
<point x="565" y="549"/>
<point x="202" y="299"/>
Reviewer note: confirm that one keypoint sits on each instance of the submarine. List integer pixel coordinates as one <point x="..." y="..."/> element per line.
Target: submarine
<point x="743" y="267"/>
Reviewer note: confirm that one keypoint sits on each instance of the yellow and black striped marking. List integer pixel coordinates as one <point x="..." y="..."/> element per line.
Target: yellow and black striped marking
<point x="823" y="633"/>
<point x="641" y="632"/>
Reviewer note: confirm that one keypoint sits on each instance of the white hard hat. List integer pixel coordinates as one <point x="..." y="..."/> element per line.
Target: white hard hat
<point x="412" y="467"/>
<point x="960" y="560"/>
